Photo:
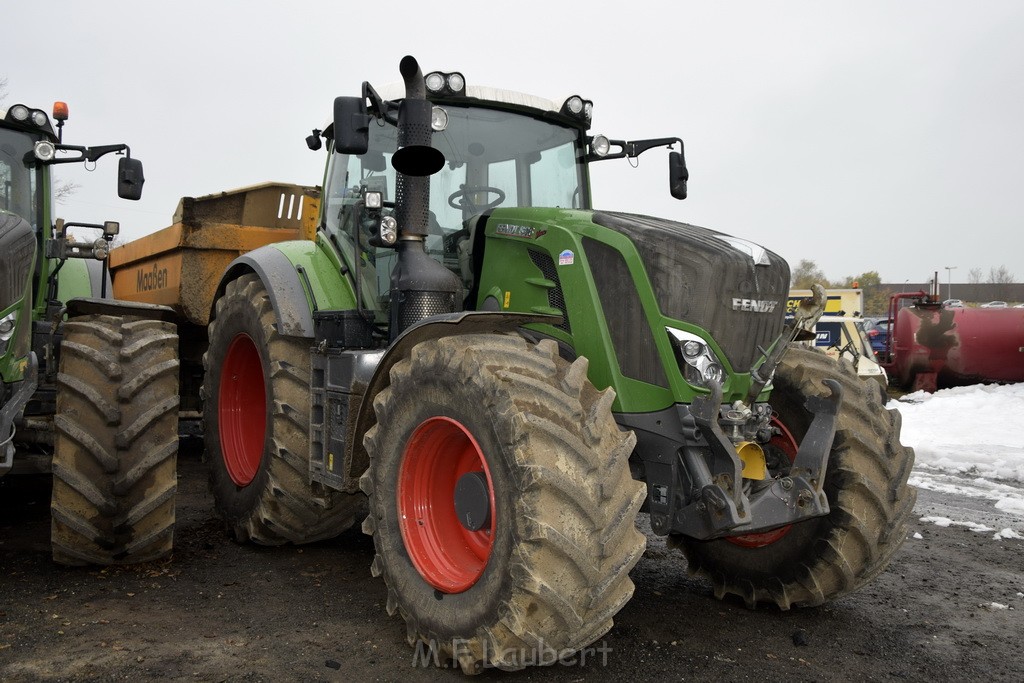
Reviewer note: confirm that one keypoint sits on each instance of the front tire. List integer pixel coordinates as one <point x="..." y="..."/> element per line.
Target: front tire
<point x="257" y="401"/>
<point x="870" y="502"/>
<point x="544" y="571"/>
<point x="116" y="445"/>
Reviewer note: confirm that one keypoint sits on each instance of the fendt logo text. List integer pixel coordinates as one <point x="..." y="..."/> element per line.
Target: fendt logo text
<point x="754" y="305"/>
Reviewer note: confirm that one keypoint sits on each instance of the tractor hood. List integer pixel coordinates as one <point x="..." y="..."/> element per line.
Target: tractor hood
<point x="734" y="289"/>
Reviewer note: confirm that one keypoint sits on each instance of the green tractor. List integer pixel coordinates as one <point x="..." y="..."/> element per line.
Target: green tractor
<point x="511" y="376"/>
<point x="90" y="385"/>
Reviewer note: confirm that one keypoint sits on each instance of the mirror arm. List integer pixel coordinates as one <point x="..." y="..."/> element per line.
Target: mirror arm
<point x="633" y="149"/>
<point x="88" y="153"/>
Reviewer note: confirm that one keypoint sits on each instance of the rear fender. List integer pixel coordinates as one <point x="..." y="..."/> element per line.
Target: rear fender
<point x="300" y="277"/>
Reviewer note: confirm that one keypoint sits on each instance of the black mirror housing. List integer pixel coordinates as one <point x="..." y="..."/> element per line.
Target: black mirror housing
<point x="677" y="175"/>
<point x="130" y="178"/>
<point x="351" y="125"/>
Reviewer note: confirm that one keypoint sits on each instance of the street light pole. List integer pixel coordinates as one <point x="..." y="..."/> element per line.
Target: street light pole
<point x="949" y="281"/>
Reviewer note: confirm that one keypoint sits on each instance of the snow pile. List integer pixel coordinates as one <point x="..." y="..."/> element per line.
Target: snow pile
<point x="967" y="442"/>
<point x="968" y="430"/>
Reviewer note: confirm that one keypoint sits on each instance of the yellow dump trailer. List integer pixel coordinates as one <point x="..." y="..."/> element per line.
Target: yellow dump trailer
<point x="181" y="265"/>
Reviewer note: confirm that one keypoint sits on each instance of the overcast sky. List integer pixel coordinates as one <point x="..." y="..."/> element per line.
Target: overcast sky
<point x="864" y="135"/>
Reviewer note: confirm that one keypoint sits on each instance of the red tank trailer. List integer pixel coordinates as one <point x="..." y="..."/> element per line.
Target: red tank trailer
<point x="932" y="347"/>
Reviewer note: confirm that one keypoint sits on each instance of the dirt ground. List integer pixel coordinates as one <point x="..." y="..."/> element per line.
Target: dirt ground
<point x="220" y="611"/>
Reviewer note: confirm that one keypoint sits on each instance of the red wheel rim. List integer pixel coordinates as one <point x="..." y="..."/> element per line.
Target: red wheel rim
<point x="788" y="445"/>
<point x="242" y="410"/>
<point x="448" y="556"/>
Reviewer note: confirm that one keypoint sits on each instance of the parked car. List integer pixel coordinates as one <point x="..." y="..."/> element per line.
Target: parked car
<point x="994" y="304"/>
<point x="877" y="330"/>
<point x="953" y="303"/>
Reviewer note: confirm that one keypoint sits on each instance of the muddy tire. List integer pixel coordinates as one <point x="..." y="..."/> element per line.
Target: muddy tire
<point x="543" y="573"/>
<point x="116" y="444"/>
<point x="256" y="411"/>
<point x="820" y="559"/>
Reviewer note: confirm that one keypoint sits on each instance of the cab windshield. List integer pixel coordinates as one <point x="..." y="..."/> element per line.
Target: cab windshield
<point x="19" y="183"/>
<point x="493" y="158"/>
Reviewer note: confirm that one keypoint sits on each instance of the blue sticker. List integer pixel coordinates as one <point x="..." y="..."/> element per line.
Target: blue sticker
<point x="566" y="258"/>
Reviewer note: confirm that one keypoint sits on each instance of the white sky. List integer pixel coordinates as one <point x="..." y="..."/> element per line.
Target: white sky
<point x="865" y="136"/>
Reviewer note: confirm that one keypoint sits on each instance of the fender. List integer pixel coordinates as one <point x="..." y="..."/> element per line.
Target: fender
<point x="466" y="322"/>
<point x="88" y="306"/>
<point x="75" y="279"/>
<point x="300" y="276"/>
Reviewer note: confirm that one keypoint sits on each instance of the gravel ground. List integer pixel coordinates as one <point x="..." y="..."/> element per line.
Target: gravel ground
<point x="950" y="607"/>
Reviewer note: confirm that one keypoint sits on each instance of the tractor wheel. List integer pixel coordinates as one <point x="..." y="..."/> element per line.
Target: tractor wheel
<point x="116" y="443"/>
<point x="256" y="411"/>
<point x="819" y="559"/>
<point x="501" y="503"/>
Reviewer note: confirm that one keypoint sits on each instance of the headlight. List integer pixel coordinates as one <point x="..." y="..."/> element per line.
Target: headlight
<point x="445" y="84"/>
<point x="600" y="145"/>
<point x="438" y="119"/>
<point x="373" y="199"/>
<point x="388" y="230"/>
<point x="456" y="82"/>
<point x="44" y="151"/>
<point x="7" y="325"/>
<point x="700" y="366"/>
<point x="434" y="81"/>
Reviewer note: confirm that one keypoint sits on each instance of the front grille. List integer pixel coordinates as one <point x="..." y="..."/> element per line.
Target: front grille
<point x="696" y="274"/>
<point x="17" y="256"/>
<point x="624" y="314"/>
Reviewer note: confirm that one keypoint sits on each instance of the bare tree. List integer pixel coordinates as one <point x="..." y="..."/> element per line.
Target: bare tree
<point x="974" y="276"/>
<point x="3" y="88"/>
<point x="64" y="190"/>
<point x="1000" y="276"/>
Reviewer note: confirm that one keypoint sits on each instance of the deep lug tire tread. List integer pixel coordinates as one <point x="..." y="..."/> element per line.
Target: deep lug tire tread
<point x="287" y="509"/>
<point x="116" y="445"/>
<point x="574" y="537"/>
<point x="868" y="494"/>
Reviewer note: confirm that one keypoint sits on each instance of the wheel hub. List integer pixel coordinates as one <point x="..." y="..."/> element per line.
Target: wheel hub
<point x="472" y="501"/>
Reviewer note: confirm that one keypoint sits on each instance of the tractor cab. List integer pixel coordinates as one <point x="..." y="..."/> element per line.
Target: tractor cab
<point x="501" y="149"/>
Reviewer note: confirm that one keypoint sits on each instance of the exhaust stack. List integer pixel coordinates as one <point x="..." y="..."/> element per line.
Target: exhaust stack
<point x="420" y="286"/>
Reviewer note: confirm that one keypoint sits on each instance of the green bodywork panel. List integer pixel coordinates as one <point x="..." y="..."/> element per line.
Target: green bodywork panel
<point x="510" y="276"/>
<point x="327" y="288"/>
<point x="73" y="281"/>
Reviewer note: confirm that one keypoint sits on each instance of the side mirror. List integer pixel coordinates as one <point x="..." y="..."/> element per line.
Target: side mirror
<point x="351" y="125"/>
<point x="129" y="179"/>
<point x="677" y="175"/>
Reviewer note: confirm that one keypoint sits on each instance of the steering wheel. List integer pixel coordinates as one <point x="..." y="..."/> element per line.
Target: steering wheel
<point x="460" y="198"/>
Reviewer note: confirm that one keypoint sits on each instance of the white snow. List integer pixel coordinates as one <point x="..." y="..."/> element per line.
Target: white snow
<point x="968" y="442"/>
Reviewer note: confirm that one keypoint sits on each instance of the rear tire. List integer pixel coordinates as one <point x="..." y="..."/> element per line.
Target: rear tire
<point x="550" y="570"/>
<point x="256" y="410"/>
<point x="116" y="445"/>
<point x="866" y="483"/>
